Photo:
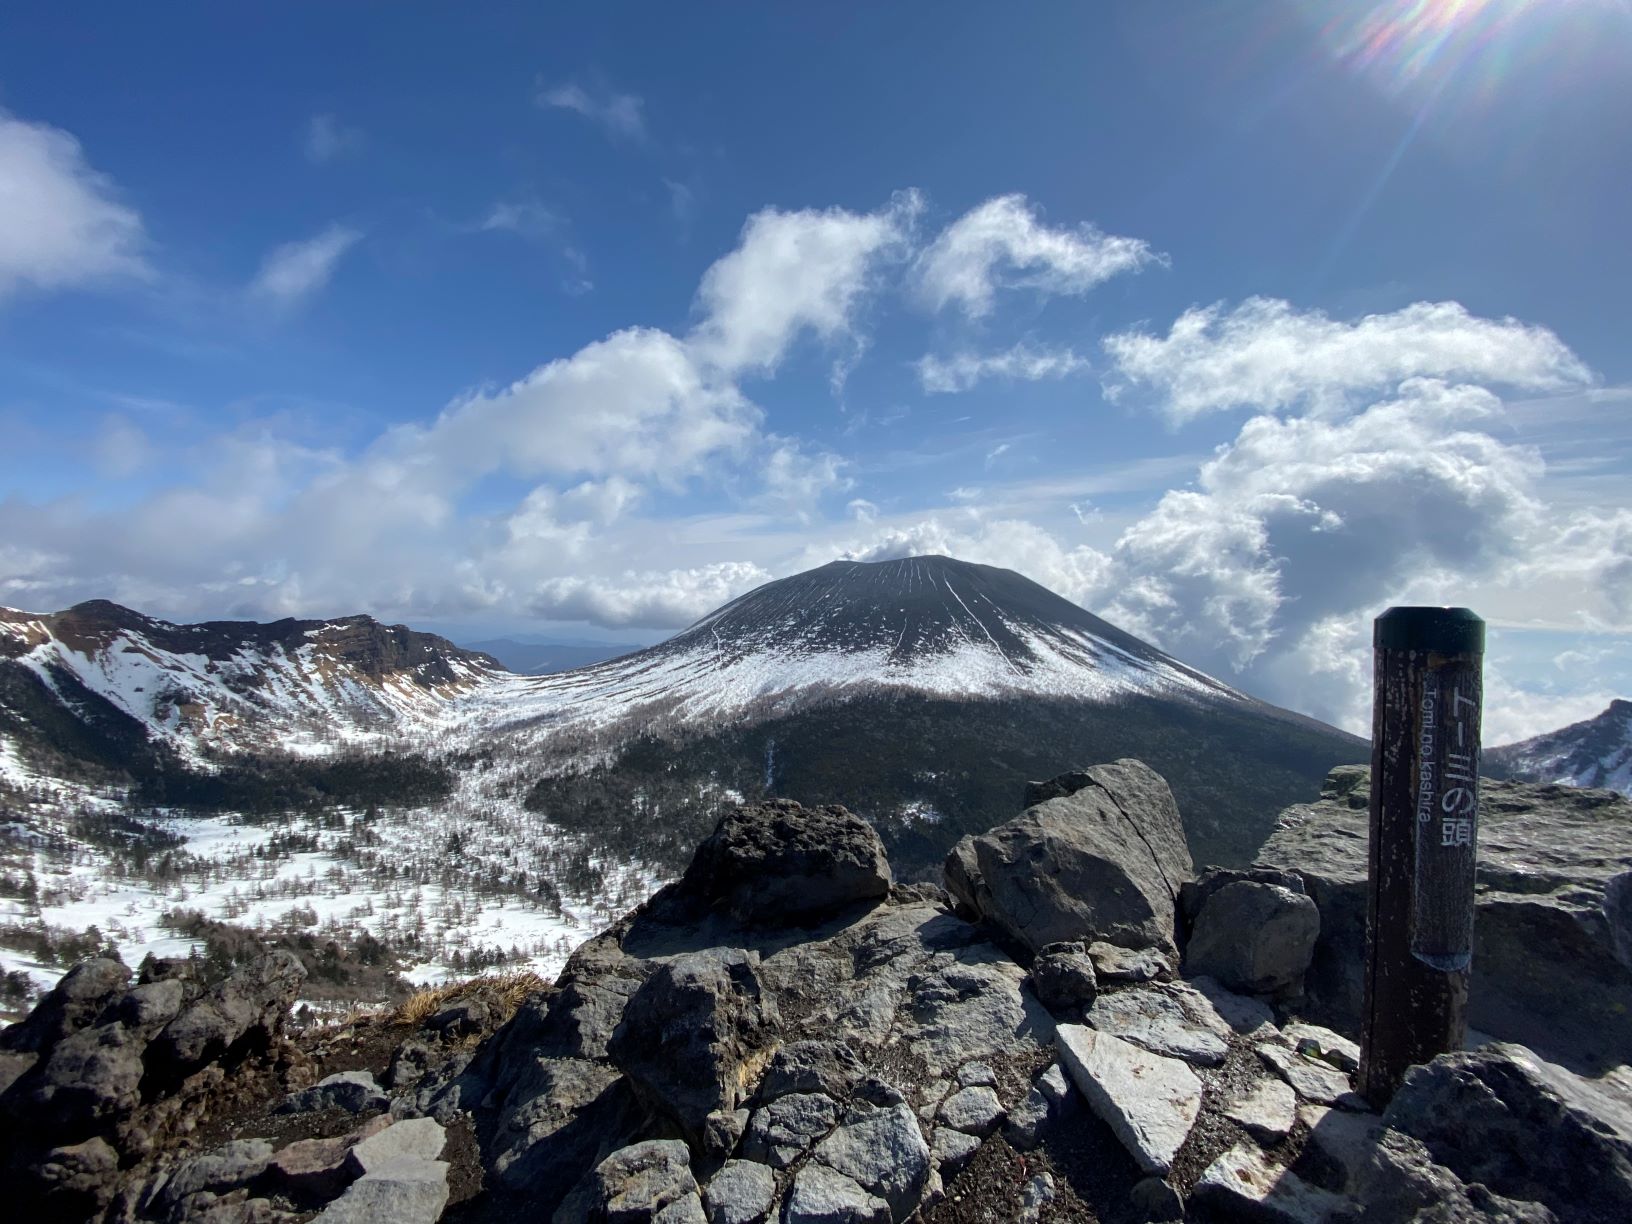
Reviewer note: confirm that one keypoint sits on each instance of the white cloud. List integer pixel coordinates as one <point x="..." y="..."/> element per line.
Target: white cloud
<point x="795" y="481"/>
<point x="1001" y="244"/>
<point x="293" y="272"/>
<point x="61" y="222"/>
<point x="962" y="371"/>
<point x="121" y="448"/>
<point x="669" y="599"/>
<point x="1267" y="355"/>
<point x="327" y="139"/>
<point x="793" y="271"/>
<point x="620" y="114"/>
<point x="528" y="218"/>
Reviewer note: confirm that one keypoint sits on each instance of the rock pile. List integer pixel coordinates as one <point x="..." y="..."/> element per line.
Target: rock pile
<point x="840" y="1048"/>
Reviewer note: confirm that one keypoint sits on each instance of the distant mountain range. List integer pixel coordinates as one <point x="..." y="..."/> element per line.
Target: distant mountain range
<point x="543" y="658"/>
<point x="883" y="685"/>
<point x="1596" y="752"/>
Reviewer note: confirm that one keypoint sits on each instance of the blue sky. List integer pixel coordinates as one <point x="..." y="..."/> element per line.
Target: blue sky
<point x="1234" y="322"/>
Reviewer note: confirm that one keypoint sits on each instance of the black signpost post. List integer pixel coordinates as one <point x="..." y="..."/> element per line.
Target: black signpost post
<point x="1424" y="824"/>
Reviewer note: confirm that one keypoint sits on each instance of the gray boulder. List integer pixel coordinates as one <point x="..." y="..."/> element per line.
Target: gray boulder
<point x="784" y="1130"/>
<point x="1527" y="1130"/>
<point x="1245" y="1185"/>
<point x="648" y="1181"/>
<point x="1149" y="1101"/>
<point x="974" y="1111"/>
<point x="1546" y="969"/>
<point x="829" y="1067"/>
<point x="740" y="1193"/>
<point x="1254" y="937"/>
<point x="73" y="1003"/>
<point x="821" y="1195"/>
<point x="88" y="1081"/>
<point x="1174" y="1019"/>
<point x="352" y="1091"/>
<point x="78" y="1180"/>
<point x="1102" y="859"/>
<point x="777" y="862"/>
<point x="244" y="1012"/>
<point x="687" y="1033"/>
<point x="883" y="1151"/>
<point x="225" y="1168"/>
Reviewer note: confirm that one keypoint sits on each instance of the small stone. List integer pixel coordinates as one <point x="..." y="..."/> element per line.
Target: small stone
<point x="1114" y="964"/>
<point x="722" y="1130"/>
<point x="1267" y="1112"/>
<point x="1149" y="1101"/>
<point x="1313" y="1081"/>
<point x="952" y="1149"/>
<point x="828" y="1067"/>
<point x="1313" y="1041"/>
<point x="1047" y="1101"/>
<point x="1242" y="1180"/>
<point x="976" y="1075"/>
<point x="975" y="1111"/>
<point x="779" y="1133"/>
<point x="409" y="1062"/>
<point x="741" y="1193"/>
<point x="404" y="1191"/>
<point x="821" y="1195"/>
<point x="461" y="1018"/>
<point x="1062" y="977"/>
<point x="1036" y="1194"/>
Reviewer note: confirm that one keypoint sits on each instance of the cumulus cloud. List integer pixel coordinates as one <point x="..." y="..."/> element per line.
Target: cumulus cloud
<point x="1023" y="362"/>
<point x="1265" y="354"/>
<point x="794" y="481"/>
<point x="1002" y="244"/>
<point x="669" y="599"/>
<point x="62" y="224"/>
<point x="295" y="271"/>
<point x="793" y="271"/>
<point x="621" y="115"/>
<point x="327" y="139"/>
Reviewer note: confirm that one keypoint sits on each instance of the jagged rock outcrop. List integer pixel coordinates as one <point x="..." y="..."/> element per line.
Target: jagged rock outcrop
<point x="1099" y="855"/>
<point x="1549" y="922"/>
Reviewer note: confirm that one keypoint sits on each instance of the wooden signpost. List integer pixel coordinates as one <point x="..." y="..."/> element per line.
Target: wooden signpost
<point x="1424" y="825"/>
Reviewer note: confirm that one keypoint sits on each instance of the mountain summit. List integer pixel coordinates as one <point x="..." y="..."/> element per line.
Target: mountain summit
<point x="1594" y="752"/>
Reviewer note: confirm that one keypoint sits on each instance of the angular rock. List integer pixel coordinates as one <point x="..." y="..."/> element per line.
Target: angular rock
<point x="829" y="1067"/>
<point x="1542" y="930"/>
<point x="883" y="1151"/>
<point x="556" y="1119"/>
<point x="1267" y="1111"/>
<point x="647" y="1181"/>
<point x="225" y="1168"/>
<point x="405" y="1191"/>
<point x="409" y="1063"/>
<point x="352" y="1091"/>
<point x="1048" y="1101"/>
<point x="149" y="1006"/>
<point x="1149" y="1101"/>
<point x="974" y="1110"/>
<point x="1172" y="1020"/>
<point x="1152" y="1200"/>
<point x="245" y="1011"/>
<point x="1252" y="937"/>
<point x="1242" y="1181"/>
<point x="72" y="1004"/>
<point x="777" y="862"/>
<point x="723" y="1130"/>
<point x="976" y="1075"/>
<point x="974" y="1008"/>
<point x="1114" y="964"/>
<point x="316" y="1170"/>
<point x="1401" y="1182"/>
<point x="1502" y="1118"/>
<point x="419" y="1139"/>
<point x="1313" y="1081"/>
<point x="1062" y="976"/>
<point x="1103" y="859"/>
<point x="821" y="1195"/>
<point x="688" y="1033"/>
<point x="1038" y="1192"/>
<point x="740" y="1193"/>
<point x="1334" y="1049"/>
<point x="779" y="1133"/>
<point x="952" y="1149"/>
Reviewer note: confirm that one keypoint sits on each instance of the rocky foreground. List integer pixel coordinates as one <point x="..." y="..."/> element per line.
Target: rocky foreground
<point x="1080" y="1027"/>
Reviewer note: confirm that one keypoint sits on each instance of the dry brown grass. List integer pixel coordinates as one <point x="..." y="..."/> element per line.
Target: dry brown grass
<point x="504" y="991"/>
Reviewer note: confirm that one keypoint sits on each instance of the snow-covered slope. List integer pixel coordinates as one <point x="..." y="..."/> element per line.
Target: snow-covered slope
<point x="1597" y="752"/>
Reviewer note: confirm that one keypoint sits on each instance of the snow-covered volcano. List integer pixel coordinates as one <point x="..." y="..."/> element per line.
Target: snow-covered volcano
<point x="1596" y="752"/>
<point x="926" y="624"/>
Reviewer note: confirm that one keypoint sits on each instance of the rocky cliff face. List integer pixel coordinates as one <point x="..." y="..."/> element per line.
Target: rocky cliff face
<point x="787" y="1034"/>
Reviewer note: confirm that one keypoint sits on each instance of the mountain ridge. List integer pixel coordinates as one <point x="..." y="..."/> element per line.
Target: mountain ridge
<point x="1595" y="752"/>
